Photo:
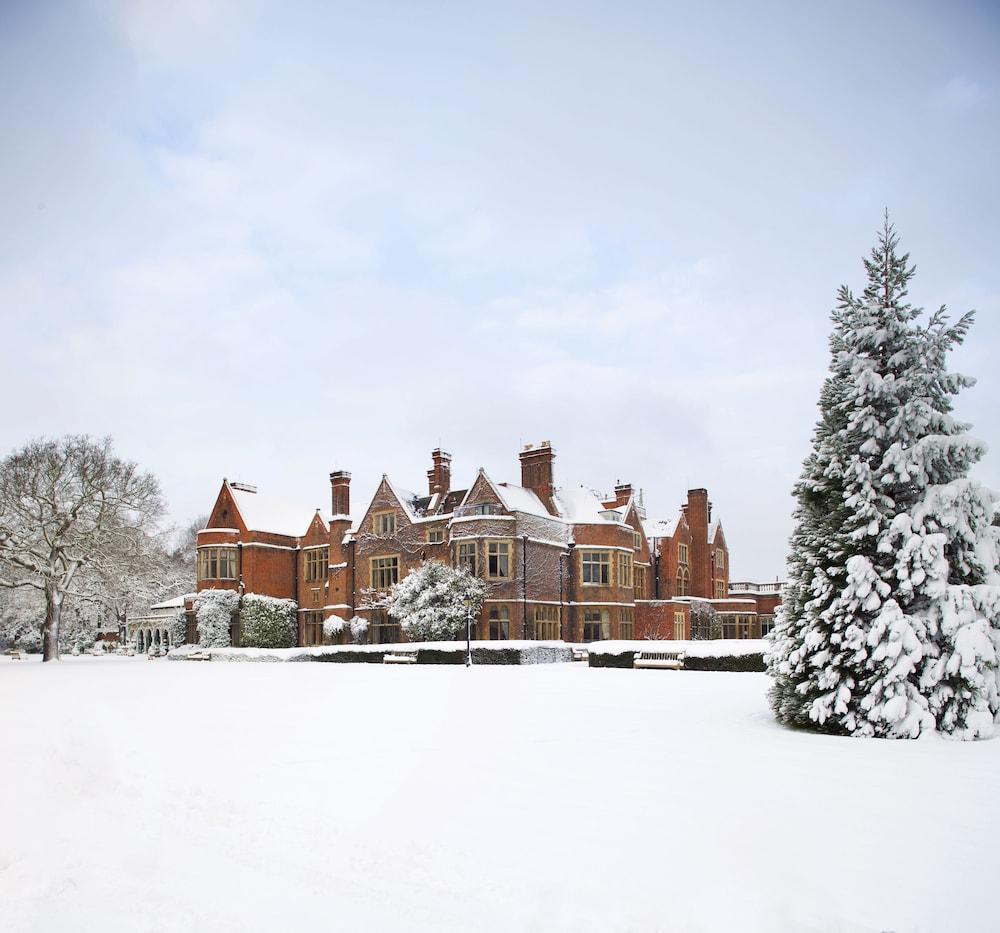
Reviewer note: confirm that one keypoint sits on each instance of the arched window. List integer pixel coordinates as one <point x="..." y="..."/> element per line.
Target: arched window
<point x="683" y="581"/>
<point x="499" y="623"/>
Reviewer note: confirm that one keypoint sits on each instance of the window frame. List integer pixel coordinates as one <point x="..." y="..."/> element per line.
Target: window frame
<point x="626" y="624"/>
<point x="591" y="558"/>
<point x="507" y="553"/>
<point x="546" y="623"/>
<point x="212" y="556"/>
<point x="626" y="570"/>
<point x="317" y="564"/>
<point x="499" y="621"/>
<point x="470" y="561"/>
<point x="381" y="522"/>
<point x="388" y="563"/>
<point x="603" y="619"/>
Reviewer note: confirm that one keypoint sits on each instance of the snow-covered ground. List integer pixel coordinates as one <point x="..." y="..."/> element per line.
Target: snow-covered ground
<point x="148" y="795"/>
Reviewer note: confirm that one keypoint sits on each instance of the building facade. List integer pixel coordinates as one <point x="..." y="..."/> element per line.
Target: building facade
<point x="559" y="563"/>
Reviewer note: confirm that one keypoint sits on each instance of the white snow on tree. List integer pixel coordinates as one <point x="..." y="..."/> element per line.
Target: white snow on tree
<point x="214" y="611"/>
<point x="891" y="619"/>
<point x="267" y="622"/>
<point x="359" y="629"/>
<point x="332" y="627"/>
<point x="430" y="603"/>
<point x="177" y="627"/>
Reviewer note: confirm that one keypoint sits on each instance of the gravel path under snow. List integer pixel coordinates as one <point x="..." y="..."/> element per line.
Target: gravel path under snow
<point x="148" y="795"/>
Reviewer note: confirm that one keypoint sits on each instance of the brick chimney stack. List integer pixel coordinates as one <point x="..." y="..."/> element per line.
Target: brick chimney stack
<point x="699" y="513"/>
<point x="623" y="492"/>
<point x="536" y="472"/>
<point x="439" y="477"/>
<point x="340" y="483"/>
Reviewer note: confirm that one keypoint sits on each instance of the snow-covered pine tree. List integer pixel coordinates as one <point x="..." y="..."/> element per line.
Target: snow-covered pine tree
<point x="430" y="603"/>
<point x="890" y="622"/>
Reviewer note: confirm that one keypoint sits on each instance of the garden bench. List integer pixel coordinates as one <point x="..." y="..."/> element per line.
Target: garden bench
<point x="663" y="660"/>
<point x="400" y="657"/>
<point x="198" y="656"/>
<point x="581" y="654"/>
<point x="15" y="654"/>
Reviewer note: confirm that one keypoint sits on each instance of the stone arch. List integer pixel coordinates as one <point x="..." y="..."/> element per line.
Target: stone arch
<point x="139" y="642"/>
<point x="156" y="637"/>
<point x="149" y="640"/>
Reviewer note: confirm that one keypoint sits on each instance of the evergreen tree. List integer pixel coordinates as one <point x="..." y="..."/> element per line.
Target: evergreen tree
<point x="891" y="618"/>
<point x="431" y="602"/>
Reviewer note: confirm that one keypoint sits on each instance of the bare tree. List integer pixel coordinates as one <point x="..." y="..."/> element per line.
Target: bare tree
<point x="66" y="505"/>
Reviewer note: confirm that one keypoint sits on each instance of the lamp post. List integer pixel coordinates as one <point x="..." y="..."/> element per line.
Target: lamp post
<point x="468" y="633"/>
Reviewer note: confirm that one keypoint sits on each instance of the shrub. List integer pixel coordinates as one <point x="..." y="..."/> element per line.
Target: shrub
<point x="359" y="629"/>
<point x="178" y="628"/>
<point x="333" y="627"/>
<point x="214" y="610"/>
<point x="430" y="603"/>
<point x="266" y="622"/>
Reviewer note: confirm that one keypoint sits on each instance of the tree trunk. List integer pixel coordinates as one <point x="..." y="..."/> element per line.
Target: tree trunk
<point x="50" y="631"/>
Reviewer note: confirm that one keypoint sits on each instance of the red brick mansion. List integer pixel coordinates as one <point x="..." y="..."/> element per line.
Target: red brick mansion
<point x="561" y="563"/>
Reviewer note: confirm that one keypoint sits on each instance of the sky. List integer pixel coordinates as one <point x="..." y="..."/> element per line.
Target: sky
<point x="270" y="240"/>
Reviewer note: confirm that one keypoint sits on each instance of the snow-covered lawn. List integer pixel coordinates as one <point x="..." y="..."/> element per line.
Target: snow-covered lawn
<point x="150" y="795"/>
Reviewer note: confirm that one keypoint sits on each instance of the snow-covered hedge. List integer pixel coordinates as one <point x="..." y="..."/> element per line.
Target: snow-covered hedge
<point x="178" y="628"/>
<point x="430" y="603"/>
<point x="214" y="610"/>
<point x="453" y="652"/>
<point x="266" y="622"/>
<point x="722" y="655"/>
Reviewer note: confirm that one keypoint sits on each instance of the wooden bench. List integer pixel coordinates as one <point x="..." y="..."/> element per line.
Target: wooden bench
<point x="400" y="657"/>
<point x="581" y="654"/>
<point x="15" y="654"/>
<point x="660" y="660"/>
<point x="198" y="656"/>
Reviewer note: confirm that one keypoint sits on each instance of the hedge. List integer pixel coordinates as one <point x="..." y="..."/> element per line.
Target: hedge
<point x="738" y="663"/>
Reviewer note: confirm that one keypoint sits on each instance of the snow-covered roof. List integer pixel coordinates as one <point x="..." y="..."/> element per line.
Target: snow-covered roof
<point x="521" y="499"/>
<point x="176" y="603"/>
<point x="713" y="530"/>
<point x="582" y="506"/>
<point x="667" y="527"/>
<point x="405" y="497"/>
<point x="268" y="513"/>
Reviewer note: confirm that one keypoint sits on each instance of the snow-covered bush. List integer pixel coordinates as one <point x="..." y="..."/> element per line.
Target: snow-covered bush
<point x="332" y="627"/>
<point x="214" y="610"/>
<point x="430" y="603"/>
<point x="890" y="624"/>
<point x="266" y="622"/>
<point x="359" y="629"/>
<point x="177" y="626"/>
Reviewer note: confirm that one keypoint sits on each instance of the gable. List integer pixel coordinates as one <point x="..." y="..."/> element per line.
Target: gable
<point x="317" y="533"/>
<point x="482" y="492"/>
<point x="385" y="500"/>
<point x="225" y="513"/>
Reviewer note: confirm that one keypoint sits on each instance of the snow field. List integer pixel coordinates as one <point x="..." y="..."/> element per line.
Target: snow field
<point x="180" y="796"/>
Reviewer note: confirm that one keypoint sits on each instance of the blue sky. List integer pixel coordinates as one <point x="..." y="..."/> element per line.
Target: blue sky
<point x="270" y="240"/>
